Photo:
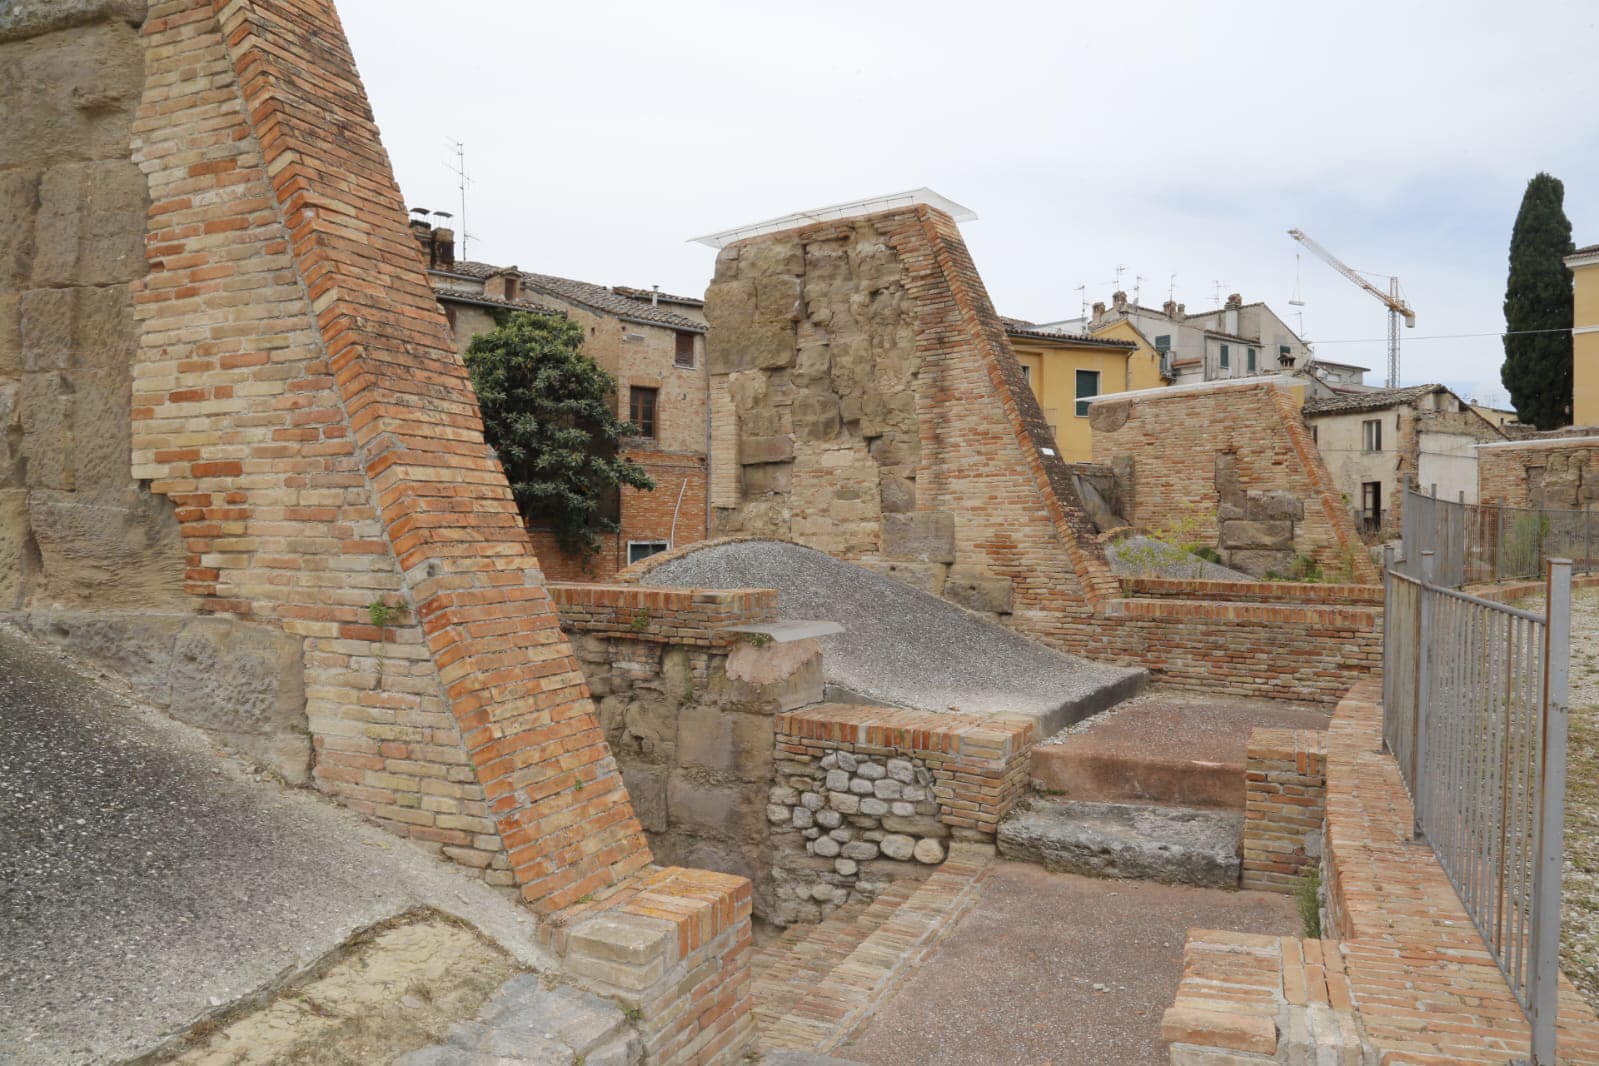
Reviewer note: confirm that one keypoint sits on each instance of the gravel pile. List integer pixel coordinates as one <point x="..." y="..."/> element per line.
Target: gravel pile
<point x="1139" y="556"/>
<point x="1579" y="932"/>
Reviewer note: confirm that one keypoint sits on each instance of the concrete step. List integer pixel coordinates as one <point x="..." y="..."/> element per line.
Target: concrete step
<point x="527" y="1023"/>
<point x="1174" y="845"/>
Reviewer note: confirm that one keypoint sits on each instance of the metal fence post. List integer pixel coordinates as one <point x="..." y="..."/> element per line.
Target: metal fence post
<point x="1387" y="642"/>
<point x="1551" y="812"/>
<point x="1418" y="746"/>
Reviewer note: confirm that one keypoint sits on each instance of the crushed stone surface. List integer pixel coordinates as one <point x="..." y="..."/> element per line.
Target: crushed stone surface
<point x="1579" y="932"/>
<point x="147" y="880"/>
<point x="902" y="646"/>
<point x="1141" y="556"/>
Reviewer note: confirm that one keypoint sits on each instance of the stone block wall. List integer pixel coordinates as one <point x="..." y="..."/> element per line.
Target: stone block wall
<point x="78" y="530"/>
<point x="890" y="788"/>
<point x="1285" y="801"/>
<point x="1236" y="461"/>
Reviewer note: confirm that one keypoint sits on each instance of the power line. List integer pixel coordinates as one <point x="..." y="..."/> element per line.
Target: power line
<point x="1447" y="336"/>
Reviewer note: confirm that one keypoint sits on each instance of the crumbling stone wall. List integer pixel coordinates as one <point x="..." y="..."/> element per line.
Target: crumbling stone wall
<point x="1237" y="463"/>
<point x="866" y="403"/>
<point x="1553" y="473"/>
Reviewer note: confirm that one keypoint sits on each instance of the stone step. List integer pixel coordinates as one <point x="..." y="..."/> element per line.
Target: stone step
<point x="899" y="937"/>
<point x="528" y="1023"/>
<point x="1174" y="845"/>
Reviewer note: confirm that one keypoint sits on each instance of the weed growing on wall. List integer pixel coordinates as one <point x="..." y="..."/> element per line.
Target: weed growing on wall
<point x="1307" y="899"/>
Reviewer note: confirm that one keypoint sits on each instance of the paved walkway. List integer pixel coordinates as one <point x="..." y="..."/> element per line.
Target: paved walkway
<point x="1056" y="969"/>
<point x="145" y="881"/>
<point x="903" y="647"/>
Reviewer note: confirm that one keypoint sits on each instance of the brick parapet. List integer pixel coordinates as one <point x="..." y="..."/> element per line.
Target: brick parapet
<point x="1252" y="591"/>
<point x="686" y="616"/>
<point x="1503" y="472"/>
<point x="1285" y="801"/>
<point x="1418" y="984"/>
<point x="979" y="765"/>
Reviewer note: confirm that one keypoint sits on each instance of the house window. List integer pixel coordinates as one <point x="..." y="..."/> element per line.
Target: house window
<point x="1371" y="505"/>
<point x="1087" y="389"/>
<point x="1371" y="430"/>
<point x="1285" y="355"/>
<point x="1315" y="437"/>
<point x="643" y="549"/>
<point x="684" y="356"/>
<point x="1250" y="361"/>
<point x="1226" y="357"/>
<point x="1027" y="373"/>
<point x="1163" y="342"/>
<point x="641" y="410"/>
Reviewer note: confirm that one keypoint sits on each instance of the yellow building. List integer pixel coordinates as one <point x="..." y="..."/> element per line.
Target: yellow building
<point x="1066" y="370"/>
<point x="1584" y="264"/>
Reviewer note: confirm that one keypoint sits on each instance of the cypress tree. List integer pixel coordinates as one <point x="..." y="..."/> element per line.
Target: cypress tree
<point x="1537" y="367"/>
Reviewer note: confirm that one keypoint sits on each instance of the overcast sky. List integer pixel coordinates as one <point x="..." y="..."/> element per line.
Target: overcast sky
<point x="1163" y="136"/>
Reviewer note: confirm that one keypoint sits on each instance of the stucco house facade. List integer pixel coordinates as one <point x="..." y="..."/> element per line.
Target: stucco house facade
<point x="1067" y="370"/>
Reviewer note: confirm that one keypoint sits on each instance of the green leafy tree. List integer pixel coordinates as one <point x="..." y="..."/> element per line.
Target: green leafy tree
<point x="1537" y="367"/>
<point x="547" y="411"/>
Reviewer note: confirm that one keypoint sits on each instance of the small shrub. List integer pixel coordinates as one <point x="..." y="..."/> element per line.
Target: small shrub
<point x="640" y="622"/>
<point x="1307" y="899"/>
<point x="1209" y="554"/>
<point x="382" y="613"/>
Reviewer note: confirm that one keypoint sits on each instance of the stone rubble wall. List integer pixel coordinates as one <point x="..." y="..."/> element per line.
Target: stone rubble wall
<point x="1285" y="806"/>
<point x="897" y="785"/>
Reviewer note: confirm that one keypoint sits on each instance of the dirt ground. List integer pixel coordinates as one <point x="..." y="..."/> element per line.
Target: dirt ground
<point x="388" y="993"/>
<point x="1579" y="934"/>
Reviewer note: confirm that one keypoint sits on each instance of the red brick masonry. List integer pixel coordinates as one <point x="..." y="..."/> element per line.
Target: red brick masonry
<point x="1407" y="976"/>
<point x="1285" y="801"/>
<point x="697" y="617"/>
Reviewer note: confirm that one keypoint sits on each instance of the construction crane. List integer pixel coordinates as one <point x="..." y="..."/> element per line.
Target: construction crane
<point x="1397" y="308"/>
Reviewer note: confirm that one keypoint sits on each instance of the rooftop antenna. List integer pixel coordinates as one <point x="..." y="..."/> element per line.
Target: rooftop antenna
<point x="1119" y="271"/>
<point x="1138" y="287"/>
<point x="1082" y="299"/>
<point x="1171" y="288"/>
<point x="458" y="168"/>
<point x="1218" y="286"/>
<point x="1298" y="299"/>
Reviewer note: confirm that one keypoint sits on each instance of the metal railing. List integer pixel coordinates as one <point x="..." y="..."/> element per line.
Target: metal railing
<point x="1474" y="711"/>
<point x="1475" y="543"/>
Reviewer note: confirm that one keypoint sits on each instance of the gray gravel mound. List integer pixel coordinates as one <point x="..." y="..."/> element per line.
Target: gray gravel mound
<point x="903" y="647"/>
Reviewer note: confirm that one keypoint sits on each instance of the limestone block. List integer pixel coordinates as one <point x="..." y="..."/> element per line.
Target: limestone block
<point x="761" y="479"/>
<point x="816" y="416"/>
<point x="19" y="203"/>
<point x="651" y="723"/>
<point x="701" y="808"/>
<point x="90" y="226"/>
<point x="1258" y="563"/>
<point x="921" y="536"/>
<point x="1263" y="506"/>
<point x="969" y="587"/>
<point x="646" y="784"/>
<point x="928" y="577"/>
<point x="778" y="676"/>
<point x="898" y="846"/>
<point x="102" y="432"/>
<point x="1229" y="485"/>
<point x="14" y="543"/>
<point x="627" y="951"/>
<point x="716" y="738"/>
<point x="1108" y="416"/>
<point x="10" y="335"/>
<point x="930" y="852"/>
<point x="897" y="493"/>
<point x="69" y="95"/>
<point x="113" y="553"/>
<point x="245" y="683"/>
<point x="773" y="449"/>
<point x="135" y="646"/>
<point x="1243" y="535"/>
<point x="12" y="472"/>
<point x="771" y="256"/>
<point x="916" y="825"/>
<point x="20" y="19"/>
<point x="45" y="405"/>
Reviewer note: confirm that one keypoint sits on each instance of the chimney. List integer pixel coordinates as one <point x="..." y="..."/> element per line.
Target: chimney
<point x="1119" y="299"/>
<point x="423" y="232"/>
<point x="1099" y="313"/>
<point x="443" y="249"/>
<point x="1234" y="300"/>
<point x="1169" y="308"/>
<point x="655" y="296"/>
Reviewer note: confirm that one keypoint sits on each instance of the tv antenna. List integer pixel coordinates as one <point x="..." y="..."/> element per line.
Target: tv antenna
<point x="463" y="179"/>
<point x="1171" y="288"/>
<point x="1082" y="300"/>
<point x="1298" y="298"/>
<point x="1138" y="287"/>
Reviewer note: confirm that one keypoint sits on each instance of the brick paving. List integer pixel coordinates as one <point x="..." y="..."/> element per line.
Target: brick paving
<point x="817" y="985"/>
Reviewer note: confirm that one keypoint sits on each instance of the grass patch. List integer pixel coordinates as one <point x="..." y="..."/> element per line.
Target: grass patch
<point x="1307" y="900"/>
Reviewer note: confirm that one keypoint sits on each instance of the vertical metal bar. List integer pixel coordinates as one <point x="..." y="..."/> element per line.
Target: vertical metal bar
<point x="1418" y="751"/>
<point x="1499" y="538"/>
<point x="1388" y="708"/>
<point x="1551" y="811"/>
